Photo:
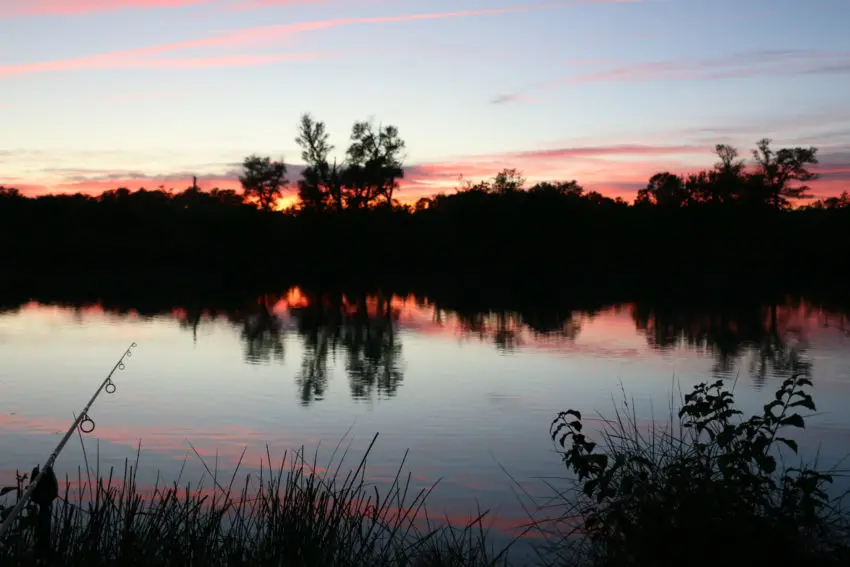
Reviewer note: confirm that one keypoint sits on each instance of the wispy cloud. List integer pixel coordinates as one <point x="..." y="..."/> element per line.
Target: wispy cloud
<point x="508" y="98"/>
<point x="101" y="62"/>
<point x="17" y="8"/>
<point x="738" y="65"/>
<point x="584" y="152"/>
<point x="77" y="7"/>
<point x="240" y="37"/>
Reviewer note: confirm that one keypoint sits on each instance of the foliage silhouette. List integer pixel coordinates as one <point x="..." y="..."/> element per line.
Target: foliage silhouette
<point x="321" y="184"/>
<point x="262" y="179"/>
<point x="646" y="498"/>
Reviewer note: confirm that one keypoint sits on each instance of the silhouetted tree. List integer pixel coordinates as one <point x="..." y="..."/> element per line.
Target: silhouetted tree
<point x="783" y="174"/>
<point x="226" y="197"/>
<point x="9" y="193"/>
<point x="666" y="191"/>
<point x="374" y="163"/>
<point x="726" y="180"/>
<point x="833" y="203"/>
<point x="263" y="180"/>
<point x="507" y="181"/>
<point x="321" y="184"/>
<point x="423" y="203"/>
<point x="557" y="188"/>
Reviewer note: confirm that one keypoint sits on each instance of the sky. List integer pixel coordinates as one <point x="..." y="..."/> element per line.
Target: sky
<point x="98" y="94"/>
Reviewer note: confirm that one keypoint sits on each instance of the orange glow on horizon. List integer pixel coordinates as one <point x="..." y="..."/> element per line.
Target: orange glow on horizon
<point x="614" y="171"/>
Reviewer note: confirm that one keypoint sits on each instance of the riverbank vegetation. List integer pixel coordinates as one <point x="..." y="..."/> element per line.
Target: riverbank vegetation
<point x="732" y="221"/>
<point x="294" y="513"/>
<point x="709" y="488"/>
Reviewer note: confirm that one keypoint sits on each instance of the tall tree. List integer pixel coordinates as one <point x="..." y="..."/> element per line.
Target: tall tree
<point x="321" y="184"/>
<point x="783" y="174"/>
<point x="727" y="179"/>
<point x="263" y="179"/>
<point x="508" y="181"/>
<point x="374" y="163"/>
<point x="10" y="193"/>
<point x="665" y="190"/>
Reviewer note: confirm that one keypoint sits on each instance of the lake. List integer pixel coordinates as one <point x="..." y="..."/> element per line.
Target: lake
<point x="469" y="391"/>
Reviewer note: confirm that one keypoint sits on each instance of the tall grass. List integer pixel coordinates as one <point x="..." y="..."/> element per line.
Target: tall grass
<point x="290" y="514"/>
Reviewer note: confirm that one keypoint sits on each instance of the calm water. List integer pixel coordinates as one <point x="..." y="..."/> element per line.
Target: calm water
<point x="466" y="393"/>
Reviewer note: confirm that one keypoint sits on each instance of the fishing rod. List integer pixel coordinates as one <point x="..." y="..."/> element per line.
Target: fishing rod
<point x="86" y="425"/>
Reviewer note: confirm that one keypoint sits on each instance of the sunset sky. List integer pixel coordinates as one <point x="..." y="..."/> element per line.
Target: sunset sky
<point x="98" y="94"/>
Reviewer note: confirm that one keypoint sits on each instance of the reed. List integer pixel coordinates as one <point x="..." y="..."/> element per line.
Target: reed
<point x="292" y="513"/>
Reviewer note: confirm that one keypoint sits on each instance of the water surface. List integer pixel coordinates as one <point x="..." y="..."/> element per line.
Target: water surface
<point x="468" y="392"/>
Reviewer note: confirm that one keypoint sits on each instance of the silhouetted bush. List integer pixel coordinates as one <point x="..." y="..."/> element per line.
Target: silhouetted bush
<point x="710" y="489"/>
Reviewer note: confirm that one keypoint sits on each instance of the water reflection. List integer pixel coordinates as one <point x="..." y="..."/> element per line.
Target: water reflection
<point x="363" y="328"/>
<point x="260" y="329"/>
<point x="360" y="331"/>
<point x="772" y="337"/>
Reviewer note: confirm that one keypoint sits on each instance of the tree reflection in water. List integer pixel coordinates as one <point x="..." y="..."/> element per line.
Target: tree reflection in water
<point x="358" y="332"/>
<point x="766" y="334"/>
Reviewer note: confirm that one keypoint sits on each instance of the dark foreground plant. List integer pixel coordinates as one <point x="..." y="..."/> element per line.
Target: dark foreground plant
<point x="708" y="490"/>
<point x="291" y="515"/>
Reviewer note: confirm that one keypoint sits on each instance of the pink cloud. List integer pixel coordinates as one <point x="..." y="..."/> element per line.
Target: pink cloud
<point x="129" y="58"/>
<point x="99" y="62"/>
<point x="77" y="7"/>
<point x="563" y="163"/>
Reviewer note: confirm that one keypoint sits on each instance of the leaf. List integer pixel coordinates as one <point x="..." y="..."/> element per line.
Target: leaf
<point x="572" y="412"/>
<point x="788" y="442"/>
<point x="768" y="408"/>
<point x="7" y="489"/>
<point x="795" y="420"/>
<point x="806" y="402"/>
<point x="558" y="430"/>
<point x="767" y="463"/>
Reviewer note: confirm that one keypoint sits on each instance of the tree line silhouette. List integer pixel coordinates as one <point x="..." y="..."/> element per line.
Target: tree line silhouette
<point x="731" y="223"/>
